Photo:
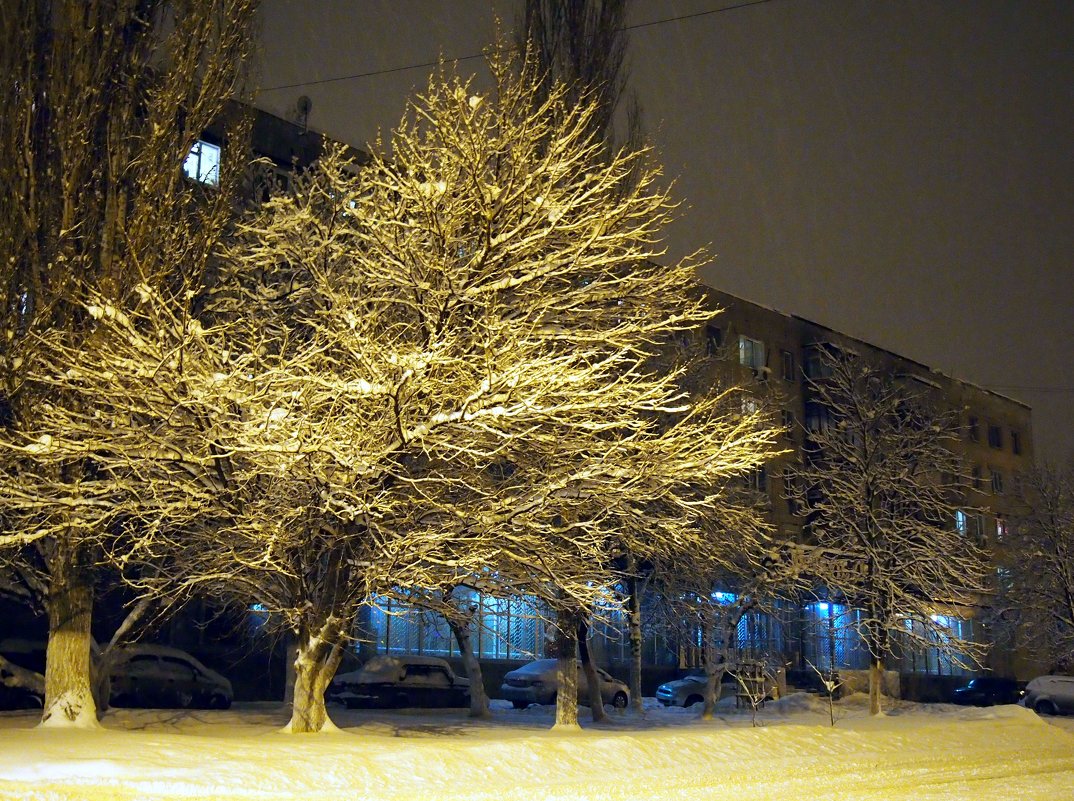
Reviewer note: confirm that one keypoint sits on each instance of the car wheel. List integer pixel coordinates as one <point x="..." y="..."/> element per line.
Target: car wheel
<point x="620" y="700"/>
<point x="184" y="698"/>
<point x="693" y="699"/>
<point x="1045" y="707"/>
<point x="520" y="704"/>
<point x="219" y="702"/>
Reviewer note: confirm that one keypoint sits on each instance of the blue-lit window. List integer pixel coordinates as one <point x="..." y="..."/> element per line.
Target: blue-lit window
<point x="961" y="522"/>
<point x="202" y="163"/>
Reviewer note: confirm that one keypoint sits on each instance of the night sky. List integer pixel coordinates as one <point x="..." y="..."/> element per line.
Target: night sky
<point x="899" y="171"/>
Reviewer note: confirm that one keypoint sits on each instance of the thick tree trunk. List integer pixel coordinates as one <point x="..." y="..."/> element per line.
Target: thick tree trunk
<point x="876" y="683"/>
<point x="479" y="700"/>
<point x="592" y="678"/>
<point x="566" y="647"/>
<point x="68" y="680"/>
<point x="316" y="659"/>
<point x="634" y="627"/>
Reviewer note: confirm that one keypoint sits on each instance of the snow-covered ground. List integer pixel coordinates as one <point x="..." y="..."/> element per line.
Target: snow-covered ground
<point x="915" y="752"/>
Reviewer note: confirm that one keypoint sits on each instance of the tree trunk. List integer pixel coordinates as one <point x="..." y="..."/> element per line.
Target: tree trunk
<point x="592" y="678"/>
<point x="876" y="683"/>
<point x="479" y="700"/>
<point x="566" y="647"/>
<point x="316" y="659"/>
<point x="634" y="622"/>
<point x="68" y="681"/>
<point x="290" y="657"/>
<point x="709" y="659"/>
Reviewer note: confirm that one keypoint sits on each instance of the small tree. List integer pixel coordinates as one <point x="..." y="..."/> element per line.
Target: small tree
<point x="880" y="487"/>
<point x="1038" y="565"/>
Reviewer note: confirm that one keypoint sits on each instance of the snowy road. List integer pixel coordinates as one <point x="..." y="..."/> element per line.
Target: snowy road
<point x="920" y="752"/>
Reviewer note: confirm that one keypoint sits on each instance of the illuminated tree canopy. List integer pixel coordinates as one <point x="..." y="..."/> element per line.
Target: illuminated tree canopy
<point x="456" y="363"/>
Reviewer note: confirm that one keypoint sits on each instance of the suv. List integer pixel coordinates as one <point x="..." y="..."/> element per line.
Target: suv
<point x="159" y="676"/>
<point x="1050" y="695"/>
<point x="401" y="681"/>
<point x="536" y="683"/>
<point x="24" y="655"/>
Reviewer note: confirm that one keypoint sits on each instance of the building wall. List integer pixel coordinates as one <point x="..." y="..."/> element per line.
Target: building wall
<point x="996" y="443"/>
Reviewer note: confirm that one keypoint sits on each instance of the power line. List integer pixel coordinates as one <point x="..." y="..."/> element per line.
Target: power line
<point x="457" y="59"/>
<point x="1057" y="389"/>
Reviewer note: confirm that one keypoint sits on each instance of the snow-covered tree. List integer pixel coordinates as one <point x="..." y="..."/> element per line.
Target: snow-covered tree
<point x="1037" y="565"/>
<point x="703" y="596"/>
<point x="473" y="323"/>
<point x="880" y="486"/>
<point x="418" y="372"/>
<point x="103" y="100"/>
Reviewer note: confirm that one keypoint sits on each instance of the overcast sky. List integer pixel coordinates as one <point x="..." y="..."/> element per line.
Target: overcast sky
<point x="900" y="171"/>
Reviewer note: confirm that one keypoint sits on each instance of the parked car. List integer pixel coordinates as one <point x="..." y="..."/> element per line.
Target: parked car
<point x="536" y="683"/>
<point x="1050" y="695"/>
<point x="161" y="677"/>
<point x="27" y="655"/>
<point x="988" y="691"/>
<point x="401" y="681"/>
<point x="690" y="689"/>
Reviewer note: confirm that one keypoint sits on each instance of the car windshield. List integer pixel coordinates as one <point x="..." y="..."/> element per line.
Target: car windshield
<point x="380" y="667"/>
<point x="540" y="666"/>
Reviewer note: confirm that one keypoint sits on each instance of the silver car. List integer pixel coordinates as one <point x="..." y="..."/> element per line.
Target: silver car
<point x="536" y="683"/>
<point x="1050" y="695"/>
<point x="690" y="689"/>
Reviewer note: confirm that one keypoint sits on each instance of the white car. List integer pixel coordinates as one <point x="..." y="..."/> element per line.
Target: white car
<point x="1050" y="695"/>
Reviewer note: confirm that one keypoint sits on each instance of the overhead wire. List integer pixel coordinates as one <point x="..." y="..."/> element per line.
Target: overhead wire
<point x="472" y="56"/>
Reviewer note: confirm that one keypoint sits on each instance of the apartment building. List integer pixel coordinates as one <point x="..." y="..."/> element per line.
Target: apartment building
<point x="781" y="352"/>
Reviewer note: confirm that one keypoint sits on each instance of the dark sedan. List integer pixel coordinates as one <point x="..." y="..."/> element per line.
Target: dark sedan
<point x="988" y="691"/>
<point x="401" y="681"/>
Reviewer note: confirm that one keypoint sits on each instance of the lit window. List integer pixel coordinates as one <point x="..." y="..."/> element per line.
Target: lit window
<point x="751" y="352"/>
<point x="961" y="523"/>
<point x="1001" y="528"/>
<point x="724" y="597"/>
<point x="203" y="163"/>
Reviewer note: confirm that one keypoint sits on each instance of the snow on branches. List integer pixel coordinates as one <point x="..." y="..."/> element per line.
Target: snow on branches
<point x="444" y="367"/>
<point x="880" y="485"/>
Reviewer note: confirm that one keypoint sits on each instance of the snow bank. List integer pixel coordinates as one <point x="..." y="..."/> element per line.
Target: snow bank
<point x="917" y="752"/>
